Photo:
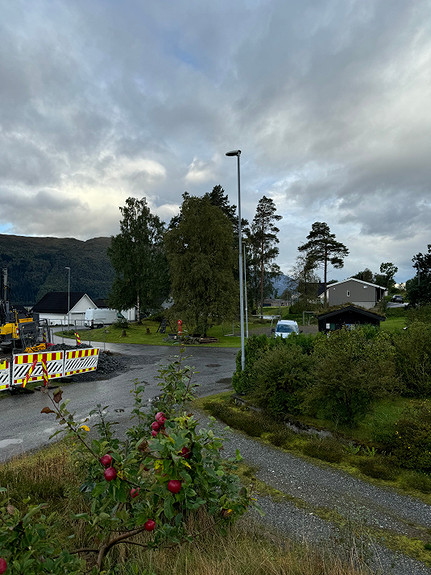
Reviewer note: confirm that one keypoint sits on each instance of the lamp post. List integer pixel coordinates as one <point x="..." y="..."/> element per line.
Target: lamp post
<point x="245" y="295"/>
<point x="68" y="295"/>
<point x="237" y="153"/>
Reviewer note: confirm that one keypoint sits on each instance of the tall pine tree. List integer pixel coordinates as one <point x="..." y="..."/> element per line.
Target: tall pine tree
<point x="323" y="249"/>
<point x="261" y="241"/>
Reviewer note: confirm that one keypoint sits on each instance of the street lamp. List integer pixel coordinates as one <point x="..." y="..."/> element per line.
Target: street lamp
<point x="245" y="295"/>
<point x="237" y="153"/>
<point x="68" y="295"/>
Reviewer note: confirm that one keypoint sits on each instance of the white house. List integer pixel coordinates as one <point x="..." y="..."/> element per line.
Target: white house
<point x="54" y="307"/>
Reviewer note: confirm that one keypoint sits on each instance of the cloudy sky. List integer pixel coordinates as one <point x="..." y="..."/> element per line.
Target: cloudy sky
<point x="329" y="101"/>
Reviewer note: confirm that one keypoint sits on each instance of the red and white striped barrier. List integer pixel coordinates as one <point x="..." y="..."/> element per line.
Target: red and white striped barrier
<point x="42" y="366"/>
<point x="27" y="367"/>
<point x="80" y="360"/>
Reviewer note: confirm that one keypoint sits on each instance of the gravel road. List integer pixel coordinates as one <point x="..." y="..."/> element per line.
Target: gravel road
<point x="311" y="490"/>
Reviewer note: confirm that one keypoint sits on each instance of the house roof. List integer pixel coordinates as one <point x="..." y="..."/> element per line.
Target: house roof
<point x="355" y="280"/>
<point x="56" y="301"/>
<point x="337" y="310"/>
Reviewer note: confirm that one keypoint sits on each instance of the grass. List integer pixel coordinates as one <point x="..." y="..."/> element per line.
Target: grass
<point x="228" y="335"/>
<point x="50" y="475"/>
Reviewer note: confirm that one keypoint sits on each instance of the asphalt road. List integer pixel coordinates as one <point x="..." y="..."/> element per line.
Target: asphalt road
<point x="23" y="427"/>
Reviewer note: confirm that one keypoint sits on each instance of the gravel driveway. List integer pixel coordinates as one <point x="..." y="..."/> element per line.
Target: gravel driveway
<point x="311" y="491"/>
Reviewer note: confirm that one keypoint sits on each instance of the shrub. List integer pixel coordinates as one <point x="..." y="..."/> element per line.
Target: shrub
<point x="324" y="449"/>
<point x="281" y="438"/>
<point x="254" y="346"/>
<point x="410" y="442"/>
<point x="279" y="378"/>
<point x="377" y="467"/>
<point x="352" y="369"/>
<point x="413" y="358"/>
<point x="416" y="480"/>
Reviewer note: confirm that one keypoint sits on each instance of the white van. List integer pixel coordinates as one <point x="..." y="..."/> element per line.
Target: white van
<point x="285" y="327"/>
<point x="100" y="317"/>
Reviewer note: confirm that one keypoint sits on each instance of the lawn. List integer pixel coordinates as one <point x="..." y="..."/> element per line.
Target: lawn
<point x="228" y="334"/>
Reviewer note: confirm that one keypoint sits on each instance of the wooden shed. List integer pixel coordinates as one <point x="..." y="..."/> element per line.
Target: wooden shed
<point x="346" y="316"/>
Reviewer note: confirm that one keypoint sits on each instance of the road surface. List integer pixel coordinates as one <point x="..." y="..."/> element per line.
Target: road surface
<point x="23" y="427"/>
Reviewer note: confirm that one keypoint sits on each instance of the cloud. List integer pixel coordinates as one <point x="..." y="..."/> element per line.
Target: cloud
<point x="328" y="101"/>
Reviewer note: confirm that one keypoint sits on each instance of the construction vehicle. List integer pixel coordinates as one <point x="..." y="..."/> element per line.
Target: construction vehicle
<point x="21" y="330"/>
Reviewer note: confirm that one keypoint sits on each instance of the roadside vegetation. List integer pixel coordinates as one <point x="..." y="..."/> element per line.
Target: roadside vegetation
<point x="370" y="388"/>
<point x="162" y="500"/>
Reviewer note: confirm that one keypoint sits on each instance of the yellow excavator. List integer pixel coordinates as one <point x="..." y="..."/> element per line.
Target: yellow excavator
<point x="21" y="330"/>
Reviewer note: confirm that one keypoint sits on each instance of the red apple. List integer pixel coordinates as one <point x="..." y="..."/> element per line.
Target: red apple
<point x="185" y="452"/>
<point x="106" y="460"/>
<point x="110" y="473"/>
<point x="3" y="565"/>
<point x="149" y="525"/>
<point x="174" y="485"/>
<point x="155" y="426"/>
<point x="154" y="433"/>
<point x="160" y="417"/>
<point x="134" y="492"/>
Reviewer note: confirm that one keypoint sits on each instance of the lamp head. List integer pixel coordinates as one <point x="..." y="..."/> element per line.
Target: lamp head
<point x="234" y="153"/>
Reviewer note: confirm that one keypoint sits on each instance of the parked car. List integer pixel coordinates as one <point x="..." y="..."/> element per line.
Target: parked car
<point x="285" y="327"/>
<point x="397" y="299"/>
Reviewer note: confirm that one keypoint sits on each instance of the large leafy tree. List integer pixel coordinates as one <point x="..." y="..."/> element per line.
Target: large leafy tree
<point x="365" y="275"/>
<point x="322" y="249"/>
<point x="419" y="288"/>
<point x="137" y="255"/>
<point x="262" y="243"/>
<point x="387" y="274"/>
<point x="307" y="283"/>
<point x="199" y="247"/>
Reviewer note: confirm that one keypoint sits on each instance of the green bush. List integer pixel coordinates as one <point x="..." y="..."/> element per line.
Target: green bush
<point x="416" y="480"/>
<point x="327" y="449"/>
<point x="377" y="467"/>
<point x="279" y="378"/>
<point x="255" y="348"/>
<point x="413" y="358"/>
<point x="281" y="438"/>
<point x="352" y="369"/>
<point x="410" y="442"/>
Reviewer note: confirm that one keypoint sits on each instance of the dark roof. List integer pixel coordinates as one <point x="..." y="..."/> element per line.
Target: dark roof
<point x="334" y="311"/>
<point x="56" y="302"/>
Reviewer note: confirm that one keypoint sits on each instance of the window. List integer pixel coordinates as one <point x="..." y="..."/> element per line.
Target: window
<point x="348" y="293"/>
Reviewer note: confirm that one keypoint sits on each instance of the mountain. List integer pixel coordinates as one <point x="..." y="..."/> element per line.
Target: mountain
<point x="281" y="283"/>
<point x="36" y="266"/>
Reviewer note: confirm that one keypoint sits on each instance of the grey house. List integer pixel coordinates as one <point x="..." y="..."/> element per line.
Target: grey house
<point x="356" y="292"/>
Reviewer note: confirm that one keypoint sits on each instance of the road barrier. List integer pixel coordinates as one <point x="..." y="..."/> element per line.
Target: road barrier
<point x="80" y="360"/>
<point x="4" y="375"/>
<point x="23" y="362"/>
<point x="58" y="364"/>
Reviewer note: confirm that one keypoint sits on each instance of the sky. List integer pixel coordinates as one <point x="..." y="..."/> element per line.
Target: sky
<point x="329" y="102"/>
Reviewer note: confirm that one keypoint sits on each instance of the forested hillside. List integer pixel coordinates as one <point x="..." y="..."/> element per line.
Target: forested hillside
<point x="36" y="266"/>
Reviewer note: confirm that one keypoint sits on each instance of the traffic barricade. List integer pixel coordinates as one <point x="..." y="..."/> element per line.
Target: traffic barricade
<point x="80" y="360"/>
<point x="4" y="375"/>
<point x="23" y="363"/>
